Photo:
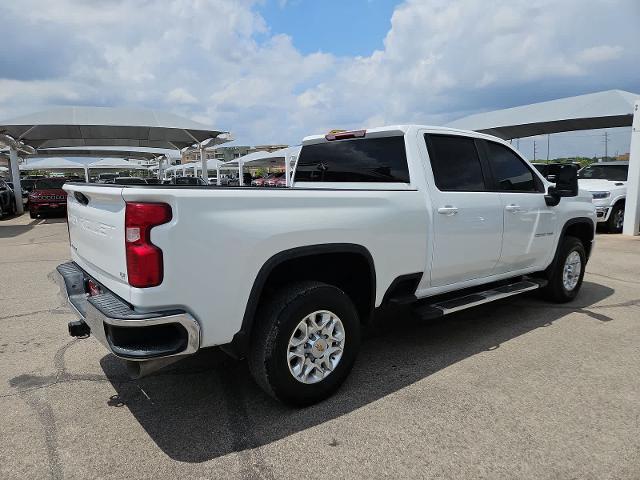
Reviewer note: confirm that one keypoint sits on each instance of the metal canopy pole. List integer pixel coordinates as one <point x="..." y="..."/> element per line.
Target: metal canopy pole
<point x="203" y="159"/>
<point x="240" y="173"/>
<point x="287" y="171"/>
<point x="15" y="177"/>
<point x="86" y="174"/>
<point x="632" y="206"/>
<point x="218" y="179"/>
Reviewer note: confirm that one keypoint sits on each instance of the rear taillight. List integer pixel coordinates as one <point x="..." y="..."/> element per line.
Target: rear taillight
<point x="144" y="259"/>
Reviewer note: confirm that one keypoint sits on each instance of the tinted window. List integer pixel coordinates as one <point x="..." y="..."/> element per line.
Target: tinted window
<point x="49" y="183"/>
<point x="455" y="163"/>
<point x="359" y="160"/>
<point x="510" y="171"/>
<point x="616" y="173"/>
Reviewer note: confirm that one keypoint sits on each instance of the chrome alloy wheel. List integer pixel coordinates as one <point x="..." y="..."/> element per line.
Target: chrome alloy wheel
<point x="571" y="271"/>
<point x="316" y="346"/>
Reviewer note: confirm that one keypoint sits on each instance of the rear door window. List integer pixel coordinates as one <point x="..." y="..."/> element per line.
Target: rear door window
<point x="511" y="173"/>
<point x="455" y="163"/>
<point x="382" y="159"/>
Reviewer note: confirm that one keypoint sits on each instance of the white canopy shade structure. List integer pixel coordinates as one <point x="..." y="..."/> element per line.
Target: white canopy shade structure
<point x="54" y="164"/>
<point x="115" y="163"/>
<point x="101" y="126"/>
<point x="608" y="109"/>
<point x="283" y="158"/>
<point x="105" y="126"/>
<point x="126" y="153"/>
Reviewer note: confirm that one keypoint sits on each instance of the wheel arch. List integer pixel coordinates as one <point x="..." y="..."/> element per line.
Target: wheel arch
<point x="582" y="228"/>
<point x="354" y="261"/>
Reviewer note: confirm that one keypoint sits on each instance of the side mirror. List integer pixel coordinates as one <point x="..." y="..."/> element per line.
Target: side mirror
<point x="566" y="184"/>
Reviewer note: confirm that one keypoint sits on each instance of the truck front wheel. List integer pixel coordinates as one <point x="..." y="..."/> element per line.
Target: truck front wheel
<point x="304" y="342"/>
<point x="616" y="218"/>
<point x="565" y="276"/>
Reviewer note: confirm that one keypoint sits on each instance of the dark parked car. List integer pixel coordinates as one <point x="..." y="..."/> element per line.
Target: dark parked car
<point x="153" y="181"/>
<point x="7" y="200"/>
<point x="48" y="196"/>
<point x="129" y="181"/>
<point x="189" y="181"/>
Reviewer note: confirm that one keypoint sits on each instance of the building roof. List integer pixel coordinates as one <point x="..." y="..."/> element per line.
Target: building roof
<point x="608" y="109"/>
<point x="105" y="126"/>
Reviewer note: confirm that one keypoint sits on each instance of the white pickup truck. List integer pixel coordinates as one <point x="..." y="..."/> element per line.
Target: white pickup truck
<point x="607" y="182"/>
<point x="437" y="218"/>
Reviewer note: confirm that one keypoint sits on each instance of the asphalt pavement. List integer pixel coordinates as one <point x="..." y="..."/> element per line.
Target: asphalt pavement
<point x="515" y="389"/>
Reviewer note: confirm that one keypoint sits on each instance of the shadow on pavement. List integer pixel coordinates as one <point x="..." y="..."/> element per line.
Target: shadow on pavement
<point x="208" y="405"/>
<point x="10" y="230"/>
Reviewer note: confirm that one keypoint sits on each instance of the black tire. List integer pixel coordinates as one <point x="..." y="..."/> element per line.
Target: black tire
<point x="32" y="214"/>
<point x="616" y="217"/>
<point x="555" y="290"/>
<point x="274" y="327"/>
<point x="1" y="212"/>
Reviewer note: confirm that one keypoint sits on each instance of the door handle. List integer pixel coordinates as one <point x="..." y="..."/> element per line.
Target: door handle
<point x="448" y="210"/>
<point x="513" y="208"/>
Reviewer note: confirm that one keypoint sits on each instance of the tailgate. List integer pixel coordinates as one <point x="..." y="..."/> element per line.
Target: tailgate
<point x="96" y="234"/>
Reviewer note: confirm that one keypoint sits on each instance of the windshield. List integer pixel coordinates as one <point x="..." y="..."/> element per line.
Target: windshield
<point x="616" y="173"/>
<point x="49" y="183"/>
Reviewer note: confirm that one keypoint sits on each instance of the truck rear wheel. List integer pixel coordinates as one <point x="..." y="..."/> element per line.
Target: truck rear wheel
<point x="304" y="342"/>
<point x="565" y="276"/>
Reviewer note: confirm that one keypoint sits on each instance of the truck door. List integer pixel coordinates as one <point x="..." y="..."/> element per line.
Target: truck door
<point x="529" y="224"/>
<point x="467" y="216"/>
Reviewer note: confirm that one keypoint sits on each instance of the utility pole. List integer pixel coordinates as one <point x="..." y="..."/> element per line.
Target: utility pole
<point x="548" y="137"/>
<point x="534" y="150"/>
<point x="606" y="145"/>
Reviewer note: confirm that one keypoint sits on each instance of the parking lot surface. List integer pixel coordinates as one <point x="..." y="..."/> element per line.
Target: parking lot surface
<point x="514" y="389"/>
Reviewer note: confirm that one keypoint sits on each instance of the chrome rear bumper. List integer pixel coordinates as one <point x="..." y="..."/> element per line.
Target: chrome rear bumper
<point x="126" y="333"/>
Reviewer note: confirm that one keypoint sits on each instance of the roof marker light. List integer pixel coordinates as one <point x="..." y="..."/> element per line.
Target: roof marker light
<point x="344" y="134"/>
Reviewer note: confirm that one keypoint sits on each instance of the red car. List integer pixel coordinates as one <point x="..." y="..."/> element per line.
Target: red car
<point x="47" y="196"/>
<point x="276" y="180"/>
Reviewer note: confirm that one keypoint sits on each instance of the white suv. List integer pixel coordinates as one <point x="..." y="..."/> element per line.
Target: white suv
<point x="607" y="182"/>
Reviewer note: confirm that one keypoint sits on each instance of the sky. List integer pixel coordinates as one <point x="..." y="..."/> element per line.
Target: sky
<point x="273" y="71"/>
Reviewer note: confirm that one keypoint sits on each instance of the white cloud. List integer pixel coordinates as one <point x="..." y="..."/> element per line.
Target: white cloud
<point x="216" y="60"/>
<point x="181" y="95"/>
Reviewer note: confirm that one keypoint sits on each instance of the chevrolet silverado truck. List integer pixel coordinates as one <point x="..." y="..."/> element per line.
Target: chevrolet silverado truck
<point x="436" y="219"/>
<point x="607" y="183"/>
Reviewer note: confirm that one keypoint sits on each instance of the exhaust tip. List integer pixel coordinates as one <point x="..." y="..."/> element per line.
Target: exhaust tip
<point x="140" y="369"/>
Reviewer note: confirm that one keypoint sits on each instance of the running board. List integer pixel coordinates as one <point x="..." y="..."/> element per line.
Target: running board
<point x="439" y="309"/>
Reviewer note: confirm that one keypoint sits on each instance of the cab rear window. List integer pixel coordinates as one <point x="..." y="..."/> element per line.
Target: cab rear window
<point x="381" y="159"/>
